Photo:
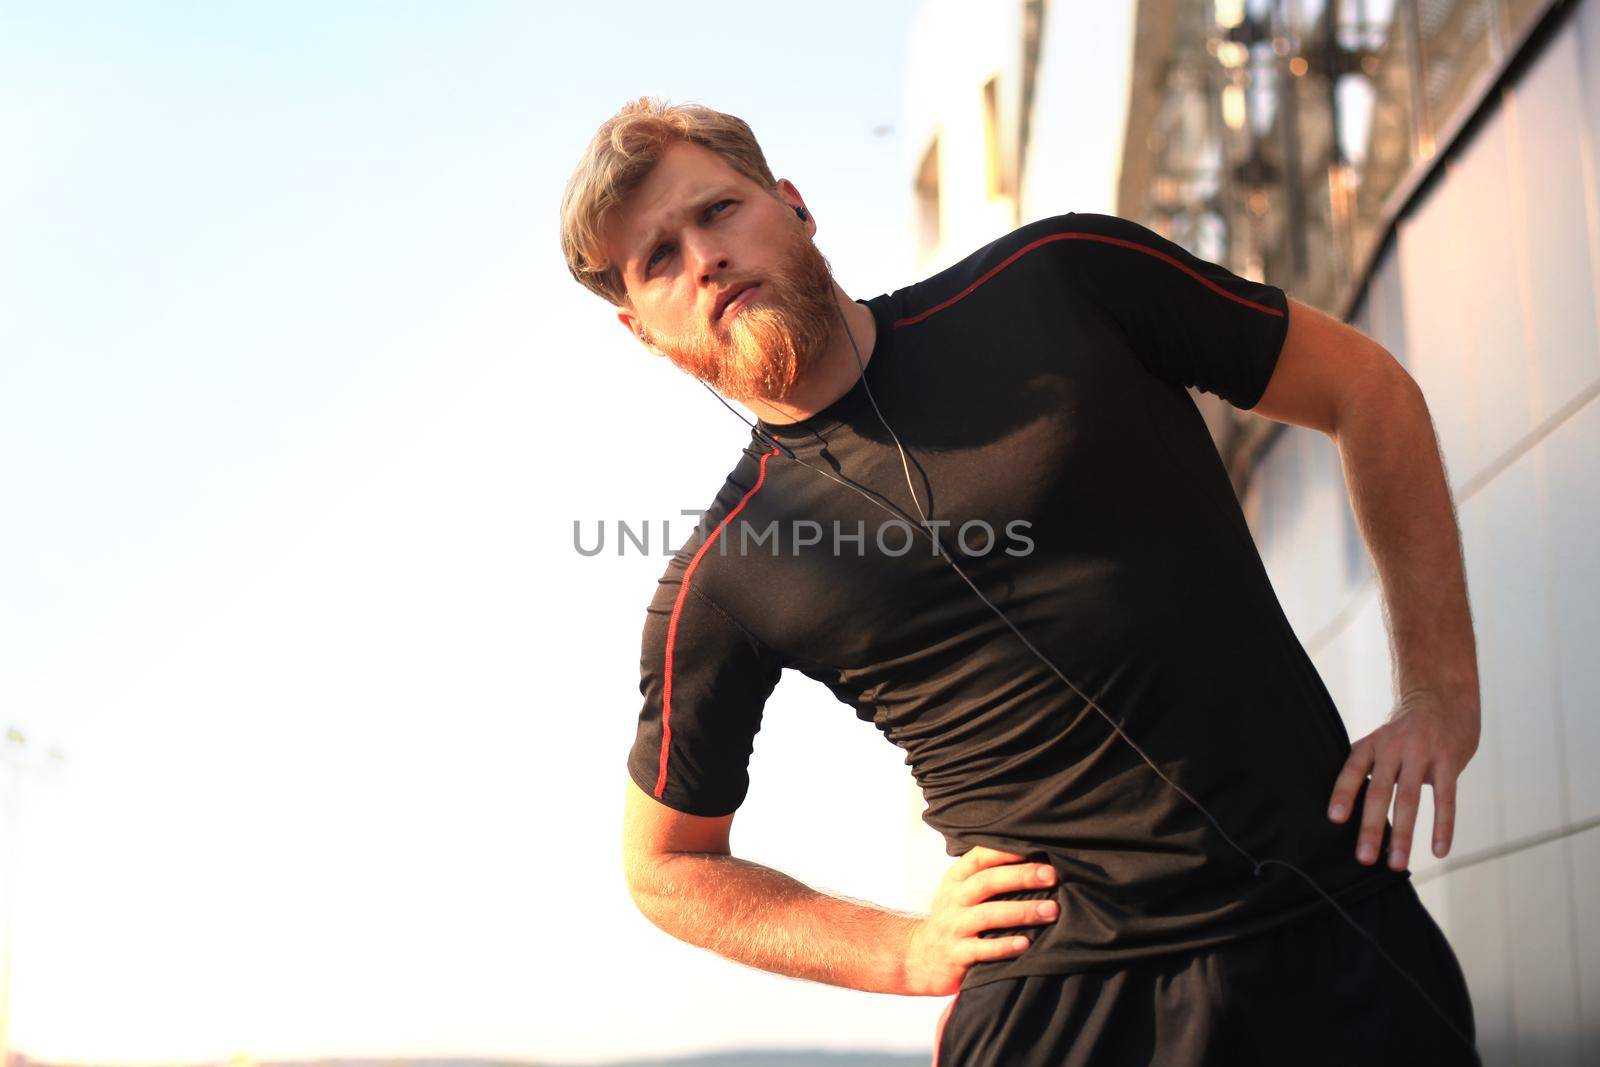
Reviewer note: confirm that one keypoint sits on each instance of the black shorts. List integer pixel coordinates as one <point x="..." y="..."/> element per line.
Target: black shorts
<point x="1309" y="993"/>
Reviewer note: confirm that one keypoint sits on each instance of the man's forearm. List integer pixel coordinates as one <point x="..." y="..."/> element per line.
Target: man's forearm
<point x="1403" y="506"/>
<point x="765" y="919"/>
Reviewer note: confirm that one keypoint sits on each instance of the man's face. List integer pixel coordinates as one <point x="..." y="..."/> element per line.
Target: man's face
<point x="692" y="235"/>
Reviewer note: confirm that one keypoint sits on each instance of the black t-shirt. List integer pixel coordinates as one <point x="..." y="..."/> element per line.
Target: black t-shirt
<point x="1038" y="387"/>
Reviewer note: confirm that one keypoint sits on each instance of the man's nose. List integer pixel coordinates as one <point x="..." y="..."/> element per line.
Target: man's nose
<point x="709" y="260"/>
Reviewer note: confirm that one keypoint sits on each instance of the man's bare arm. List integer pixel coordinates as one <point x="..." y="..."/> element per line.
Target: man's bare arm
<point x="1333" y="378"/>
<point x="1402" y="503"/>
<point x="765" y="919"/>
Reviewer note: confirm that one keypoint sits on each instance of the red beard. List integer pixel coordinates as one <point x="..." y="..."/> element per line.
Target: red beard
<point x="761" y="351"/>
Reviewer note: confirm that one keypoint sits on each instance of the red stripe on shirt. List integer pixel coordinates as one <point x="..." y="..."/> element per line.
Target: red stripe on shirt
<point x="1013" y="257"/>
<point x="677" y="609"/>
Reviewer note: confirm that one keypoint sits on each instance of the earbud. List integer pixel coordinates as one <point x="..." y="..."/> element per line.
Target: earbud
<point x="802" y="213"/>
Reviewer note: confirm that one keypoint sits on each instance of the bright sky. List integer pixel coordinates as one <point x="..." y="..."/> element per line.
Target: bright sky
<point x="298" y="406"/>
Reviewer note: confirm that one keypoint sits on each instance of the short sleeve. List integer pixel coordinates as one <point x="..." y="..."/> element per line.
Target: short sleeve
<point x="705" y="682"/>
<point x="1189" y="321"/>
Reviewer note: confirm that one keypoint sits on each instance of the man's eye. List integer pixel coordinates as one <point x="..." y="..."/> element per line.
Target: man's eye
<point x="656" y="254"/>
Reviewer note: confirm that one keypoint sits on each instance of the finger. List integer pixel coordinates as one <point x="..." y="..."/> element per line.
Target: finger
<point x="1444" y="809"/>
<point x="1374" y="813"/>
<point x="1004" y="879"/>
<point x="1406" y="801"/>
<point x="1348" y="784"/>
<point x="999" y="914"/>
<point x="973" y="949"/>
<point x="979" y="857"/>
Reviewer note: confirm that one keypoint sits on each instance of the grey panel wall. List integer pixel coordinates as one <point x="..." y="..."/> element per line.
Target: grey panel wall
<point x="1491" y="298"/>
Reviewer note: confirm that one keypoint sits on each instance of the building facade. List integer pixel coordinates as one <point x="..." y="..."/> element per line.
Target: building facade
<point x="1428" y="170"/>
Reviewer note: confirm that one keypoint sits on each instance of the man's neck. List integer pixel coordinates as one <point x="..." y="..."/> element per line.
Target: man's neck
<point x="835" y="372"/>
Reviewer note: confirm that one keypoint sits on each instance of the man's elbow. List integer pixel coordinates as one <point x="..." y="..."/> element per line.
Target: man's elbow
<point x="652" y="880"/>
<point x="641" y="873"/>
<point x="665" y="899"/>
<point x="1380" y="385"/>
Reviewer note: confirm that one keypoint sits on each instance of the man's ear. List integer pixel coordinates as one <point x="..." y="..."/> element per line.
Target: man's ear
<point x="631" y="323"/>
<point x="785" y="190"/>
<point x="789" y="196"/>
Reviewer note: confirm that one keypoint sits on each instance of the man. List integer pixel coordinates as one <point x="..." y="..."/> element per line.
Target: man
<point x="1158" y="766"/>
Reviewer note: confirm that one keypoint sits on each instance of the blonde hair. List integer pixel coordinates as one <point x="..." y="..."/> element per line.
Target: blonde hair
<point x="620" y="156"/>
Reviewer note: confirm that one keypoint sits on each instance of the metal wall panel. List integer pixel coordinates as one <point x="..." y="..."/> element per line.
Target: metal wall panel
<point x="1490" y="296"/>
<point x="1585" y="876"/>
<point x="1554" y="216"/>
<point x="1572" y="454"/>
<point x="1512" y="624"/>
<point x="1542" y="960"/>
